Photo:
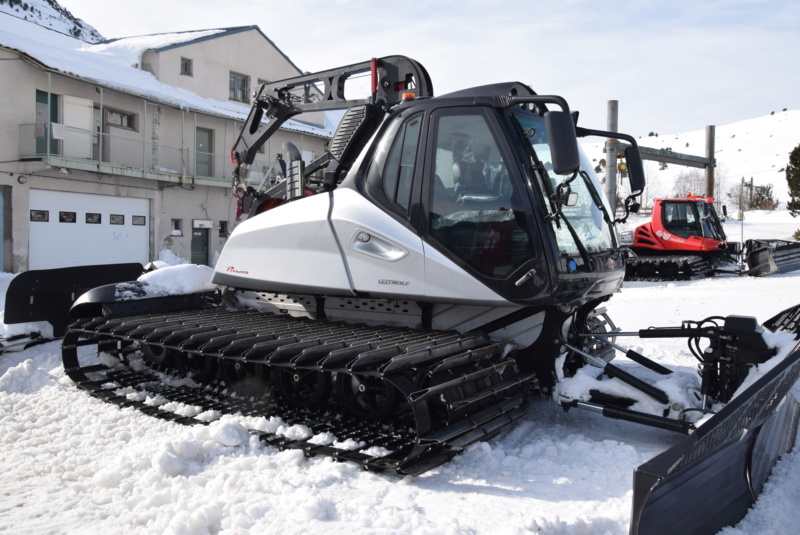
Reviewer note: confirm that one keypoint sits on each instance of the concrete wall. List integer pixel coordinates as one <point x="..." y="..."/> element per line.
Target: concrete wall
<point x="164" y="137"/>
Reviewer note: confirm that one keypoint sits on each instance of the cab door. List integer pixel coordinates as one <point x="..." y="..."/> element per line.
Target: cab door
<point x="383" y="251"/>
<point x="478" y="226"/>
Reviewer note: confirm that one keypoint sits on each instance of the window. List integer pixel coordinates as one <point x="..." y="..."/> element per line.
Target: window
<point x="66" y="217"/>
<point x="177" y="227"/>
<point x="239" y="87"/>
<point x="399" y="170"/>
<point x="117" y="219"/>
<point x="223" y="229"/>
<point x="186" y="67"/>
<point x="40" y="215"/>
<point x="138" y="220"/>
<point x="204" y="157"/>
<point x="120" y="119"/>
<point x="43" y="117"/>
<point x="476" y="210"/>
<point x="94" y="219"/>
<point x="679" y="219"/>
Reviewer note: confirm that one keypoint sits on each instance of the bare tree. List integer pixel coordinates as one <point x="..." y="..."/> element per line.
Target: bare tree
<point x="652" y="189"/>
<point x="689" y="182"/>
<point x="721" y="180"/>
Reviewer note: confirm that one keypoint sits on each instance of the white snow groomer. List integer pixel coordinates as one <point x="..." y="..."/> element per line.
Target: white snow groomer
<point x="411" y="288"/>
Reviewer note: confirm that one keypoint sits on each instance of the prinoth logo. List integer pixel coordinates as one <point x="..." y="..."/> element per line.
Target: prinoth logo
<point x="393" y="282"/>
<point x="232" y="269"/>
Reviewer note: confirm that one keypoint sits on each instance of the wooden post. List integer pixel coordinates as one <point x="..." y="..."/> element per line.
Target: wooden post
<point x="710" y="156"/>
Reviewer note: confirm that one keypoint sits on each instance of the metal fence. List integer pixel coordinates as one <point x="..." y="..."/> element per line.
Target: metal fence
<point x="79" y="147"/>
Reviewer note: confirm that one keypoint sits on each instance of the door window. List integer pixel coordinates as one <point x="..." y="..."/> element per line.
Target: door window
<point x="44" y="119"/>
<point x="204" y="156"/>
<point x="679" y="219"/>
<point x="399" y="172"/>
<point x="476" y="209"/>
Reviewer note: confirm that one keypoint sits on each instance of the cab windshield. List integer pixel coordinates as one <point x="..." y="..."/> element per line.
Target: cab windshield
<point x="590" y="216"/>
<point x="711" y="226"/>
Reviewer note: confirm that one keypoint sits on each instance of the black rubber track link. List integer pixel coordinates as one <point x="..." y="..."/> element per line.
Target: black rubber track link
<point x="667" y="268"/>
<point x="422" y="396"/>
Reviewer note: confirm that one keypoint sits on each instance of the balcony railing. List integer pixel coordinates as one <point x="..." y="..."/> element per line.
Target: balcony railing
<point x="72" y="148"/>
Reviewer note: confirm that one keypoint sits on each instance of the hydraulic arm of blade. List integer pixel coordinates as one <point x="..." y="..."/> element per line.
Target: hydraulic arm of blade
<point x="392" y="77"/>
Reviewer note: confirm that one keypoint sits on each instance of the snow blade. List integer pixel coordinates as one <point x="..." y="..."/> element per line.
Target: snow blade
<point x="709" y="480"/>
<point x="47" y="294"/>
<point x="773" y="256"/>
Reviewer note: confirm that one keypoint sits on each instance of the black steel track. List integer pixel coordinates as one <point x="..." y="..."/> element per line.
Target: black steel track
<point x="420" y="395"/>
<point x="666" y="268"/>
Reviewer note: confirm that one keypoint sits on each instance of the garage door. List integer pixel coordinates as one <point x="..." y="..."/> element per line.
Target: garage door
<point x="74" y="229"/>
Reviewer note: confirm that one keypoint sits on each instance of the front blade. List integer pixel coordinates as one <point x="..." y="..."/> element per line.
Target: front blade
<point x="709" y="480"/>
<point x="47" y="294"/>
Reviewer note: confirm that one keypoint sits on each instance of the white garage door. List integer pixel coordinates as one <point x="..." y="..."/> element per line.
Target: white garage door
<point x="75" y="229"/>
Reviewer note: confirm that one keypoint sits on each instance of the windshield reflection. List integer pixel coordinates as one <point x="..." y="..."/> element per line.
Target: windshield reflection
<point x="588" y="215"/>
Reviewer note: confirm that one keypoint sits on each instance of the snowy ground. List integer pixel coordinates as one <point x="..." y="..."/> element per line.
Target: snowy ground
<point x="72" y="464"/>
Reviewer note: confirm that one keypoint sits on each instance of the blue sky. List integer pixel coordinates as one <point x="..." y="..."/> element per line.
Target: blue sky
<point x="674" y="66"/>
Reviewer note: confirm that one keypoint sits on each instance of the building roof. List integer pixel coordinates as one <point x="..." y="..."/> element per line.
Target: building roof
<point x="114" y="64"/>
<point x="162" y="42"/>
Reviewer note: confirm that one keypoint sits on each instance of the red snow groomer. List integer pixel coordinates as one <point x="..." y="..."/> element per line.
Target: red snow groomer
<point x="683" y="240"/>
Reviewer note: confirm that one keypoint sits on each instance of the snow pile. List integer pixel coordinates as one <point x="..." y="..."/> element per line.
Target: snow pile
<point x="181" y="279"/>
<point x="168" y="258"/>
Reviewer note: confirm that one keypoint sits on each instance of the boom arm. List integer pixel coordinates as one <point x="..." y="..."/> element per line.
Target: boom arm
<point x="392" y="77"/>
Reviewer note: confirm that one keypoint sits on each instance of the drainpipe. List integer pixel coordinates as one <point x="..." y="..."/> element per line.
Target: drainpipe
<point x="144" y="130"/>
<point x="100" y="133"/>
<point x="183" y="162"/>
<point x="49" y="128"/>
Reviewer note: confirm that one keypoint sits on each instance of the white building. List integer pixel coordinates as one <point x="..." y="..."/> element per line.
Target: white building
<point x="113" y="151"/>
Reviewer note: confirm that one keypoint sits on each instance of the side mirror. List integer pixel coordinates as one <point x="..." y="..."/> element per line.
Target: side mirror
<point x="633" y="159"/>
<point x="724" y="210"/>
<point x="563" y="142"/>
<point x="565" y="196"/>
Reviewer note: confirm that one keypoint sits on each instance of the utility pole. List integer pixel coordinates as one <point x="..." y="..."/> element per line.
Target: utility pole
<point x="610" y="188"/>
<point x="710" y="155"/>
<point x="741" y="200"/>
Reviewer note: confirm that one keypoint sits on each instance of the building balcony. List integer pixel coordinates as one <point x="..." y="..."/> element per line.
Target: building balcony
<point x="66" y="147"/>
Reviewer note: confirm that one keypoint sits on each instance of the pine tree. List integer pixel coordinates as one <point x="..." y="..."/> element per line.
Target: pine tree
<point x="763" y="198"/>
<point x="793" y="179"/>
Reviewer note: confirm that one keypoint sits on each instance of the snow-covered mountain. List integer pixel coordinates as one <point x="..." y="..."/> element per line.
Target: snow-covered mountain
<point x="50" y="14"/>
<point x="756" y="149"/>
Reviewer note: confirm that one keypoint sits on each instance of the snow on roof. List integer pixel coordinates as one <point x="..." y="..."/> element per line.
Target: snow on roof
<point x="110" y="64"/>
<point x="130" y="49"/>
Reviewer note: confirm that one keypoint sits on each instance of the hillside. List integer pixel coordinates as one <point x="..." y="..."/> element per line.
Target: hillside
<point x="50" y="14"/>
<point x="757" y="148"/>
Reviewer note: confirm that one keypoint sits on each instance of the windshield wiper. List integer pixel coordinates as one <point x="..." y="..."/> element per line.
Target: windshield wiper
<point x="598" y="202"/>
<point x="554" y="195"/>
